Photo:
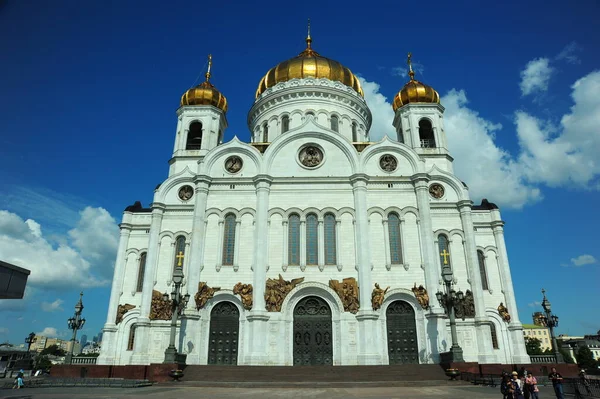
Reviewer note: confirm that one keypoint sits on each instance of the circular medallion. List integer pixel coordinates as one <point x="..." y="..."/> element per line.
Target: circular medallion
<point x="185" y="193"/>
<point x="388" y="162"/>
<point x="310" y="156"/>
<point x="436" y="190"/>
<point x="233" y="164"/>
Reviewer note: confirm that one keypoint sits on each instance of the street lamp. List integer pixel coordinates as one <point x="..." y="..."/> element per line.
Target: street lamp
<point x="30" y="340"/>
<point x="551" y="321"/>
<point x="178" y="302"/>
<point x="449" y="300"/>
<point x="75" y="323"/>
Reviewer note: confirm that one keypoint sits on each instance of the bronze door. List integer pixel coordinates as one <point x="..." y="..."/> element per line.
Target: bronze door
<point x="224" y="331"/>
<point x="312" y="333"/>
<point x="402" y="333"/>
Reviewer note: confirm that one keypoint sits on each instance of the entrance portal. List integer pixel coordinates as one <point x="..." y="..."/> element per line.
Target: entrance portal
<point x="312" y="332"/>
<point x="223" y="339"/>
<point x="402" y="333"/>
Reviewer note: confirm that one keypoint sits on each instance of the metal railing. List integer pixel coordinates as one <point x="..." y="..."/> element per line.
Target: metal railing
<point x="84" y="360"/>
<point x="581" y="388"/>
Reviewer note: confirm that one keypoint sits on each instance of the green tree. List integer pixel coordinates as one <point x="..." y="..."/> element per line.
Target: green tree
<point x="43" y="363"/>
<point x="53" y="350"/>
<point x="566" y="356"/>
<point x="585" y="358"/>
<point x="533" y="346"/>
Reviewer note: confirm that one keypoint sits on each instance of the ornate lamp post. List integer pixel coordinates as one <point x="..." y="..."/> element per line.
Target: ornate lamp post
<point x="75" y="323"/>
<point x="178" y="302"/>
<point x="30" y="340"/>
<point x="449" y="300"/>
<point x="551" y="321"/>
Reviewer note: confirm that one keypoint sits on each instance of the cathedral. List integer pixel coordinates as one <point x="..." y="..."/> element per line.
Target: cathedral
<point x="311" y="244"/>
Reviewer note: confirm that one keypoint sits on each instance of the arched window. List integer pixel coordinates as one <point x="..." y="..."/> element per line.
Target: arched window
<point x="335" y="123"/>
<point x="494" y="336"/>
<point x="354" y="132"/>
<point x="229" y="239"/>
<point x="444" y="250"/>
<point x="482" y="271"/>
<point x="312" y="240"/>
<point x="294" y="240"/>
<point x="194" y="138"/>
<point x="395" y="239"/>
<point x="285" y="123"/>
<point x="265" y="133"/>
<point x="426" y="134"/>
<point x="179" y="252"/>
<point x="131" y="339"/>
<point x="400" y="136"/>
<point x="141" y="271"/>
<point x="330" y="237"/>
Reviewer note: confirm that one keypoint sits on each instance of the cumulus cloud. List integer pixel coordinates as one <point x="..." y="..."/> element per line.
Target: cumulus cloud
<point x="52" y="306"/>
<point x="534" y="304"/>
<point x="80" y="263"/>
<point x="582" y="260"/>
<point x="569" y="53"/>
<point x="381" y="108"/>
<point x="49" y="332"/>
<point x="535" y="76"/>
<point x="402" y="71"/>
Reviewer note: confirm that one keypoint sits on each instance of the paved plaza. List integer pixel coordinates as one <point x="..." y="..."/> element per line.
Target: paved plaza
<point x="185" y="392"/>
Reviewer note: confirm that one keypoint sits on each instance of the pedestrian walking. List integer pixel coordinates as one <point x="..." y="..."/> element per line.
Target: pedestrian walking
<point x="531" y="387"/>
<point x="557" y="380"/>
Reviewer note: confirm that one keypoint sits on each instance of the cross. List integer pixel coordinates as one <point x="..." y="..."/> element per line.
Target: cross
<point x="179" y="258"/>
<point x="209" y="65"/>
<point x="445" y="254"/>
<point x="411" y="73"/>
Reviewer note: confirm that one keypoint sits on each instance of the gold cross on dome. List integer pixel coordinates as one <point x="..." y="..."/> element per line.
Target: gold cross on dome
<point x="411" y="73"/>
<point x="445" y="254"/>
<point x="209" y="66"/>
<point x="179" y="258"/>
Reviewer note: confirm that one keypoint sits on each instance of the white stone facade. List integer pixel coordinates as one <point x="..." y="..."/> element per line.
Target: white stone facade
<point x="350" y="183"/>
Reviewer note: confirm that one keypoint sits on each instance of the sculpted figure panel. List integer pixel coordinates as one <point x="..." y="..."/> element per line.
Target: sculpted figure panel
<point x="245" y="292"/>
<point x="204" y="294"/>
<point x="160" y="309"/>
<point x="504" y="312"/>
<point x="467" y="308"/>
<point x="421" y="295"/>
<point x="276" y="291"/>
<point x="121" y="310"/>
<point x="347" y="290"/>
<point x="377" y="296"/>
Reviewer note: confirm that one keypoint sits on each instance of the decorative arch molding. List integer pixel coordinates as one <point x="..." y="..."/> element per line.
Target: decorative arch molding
<point x="234" y="146"/>
<point x="185" y="176"/>
<point x="400" y="294"/>
<point x="129" y="318"/>
<point x="285" y="213"/>
<point x="223" y="295"/>
<point x="221" y="213"/>
<point x="376" y="209"/>
<point x="344" y="210"/>
<point x="311" y="288"/>
<point x="164" y="234"/>
<point x="410" y="209"/>
<point x="276" y="211"/>
<point x="449" y="234"/>
<point x="291" y="211"/>
<point x="134" y="251"/>
<point x="436" y="174"/>
<point x="387" y="145"/>
<point x="489" y="248"/>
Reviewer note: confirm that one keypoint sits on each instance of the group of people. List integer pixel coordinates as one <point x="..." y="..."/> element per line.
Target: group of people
<point x="523" y="385"/>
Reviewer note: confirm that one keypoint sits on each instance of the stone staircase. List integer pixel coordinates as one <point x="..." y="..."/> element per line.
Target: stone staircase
<point x="320" y="376"/>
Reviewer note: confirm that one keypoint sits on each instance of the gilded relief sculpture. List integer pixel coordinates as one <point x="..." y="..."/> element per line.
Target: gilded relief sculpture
<point x="466" y="309"/>
<point x="276" y="291"/>
<point x="160" y="309"/>
<point x="504" y="312"/>
<point x="377" y="296"/>
<point x="204" y="294"/>
<point x="421" y="295"/>
<point x="245" y="292"/>
<point x="121" y="310"/>
<point x="347" y="290"/>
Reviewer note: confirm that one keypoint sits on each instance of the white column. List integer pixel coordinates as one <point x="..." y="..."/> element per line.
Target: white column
<point x="321" y="243"/>
<point x="436" y="320"/>
<point x="515" y="329"/>
<point x="258" y="316"/>
<point x="386" y="244"/>
<point x="403" y="243"/>
<point x="196" y="258"/>
<point x="110" y="329"/>
<point x="338" y="255"/>
<point x="220" y="244"/>
<point x="236" y="247"/>
<point x="140" y="350"/>
<point x="285" y="255"/>
<point x="483" y="333"/>
<point x="366" y="317"/>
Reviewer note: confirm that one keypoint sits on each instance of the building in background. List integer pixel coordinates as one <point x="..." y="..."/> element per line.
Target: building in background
<point x="540" y="332"/>
<point x="83" y="340"/>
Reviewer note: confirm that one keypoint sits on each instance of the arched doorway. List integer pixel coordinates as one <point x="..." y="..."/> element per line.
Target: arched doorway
<point x="402" y="333"/>
<point x="312" y="332"/>
<point x="224" y="332"/>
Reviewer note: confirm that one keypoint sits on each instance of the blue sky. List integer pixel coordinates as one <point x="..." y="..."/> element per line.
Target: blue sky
<point x="87" y="120"/>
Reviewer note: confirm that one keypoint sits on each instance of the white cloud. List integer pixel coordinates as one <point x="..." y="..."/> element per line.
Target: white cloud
<point x="535" y="76"/>
<point x="568" y="53"/>
<point x="582" y="260"/>
<point x="402" y="71"/>
<point x="383" y="115"/>
<point x="49" y="332"/>
<point x="4" y="331"/>
<point x="534" y="304"/>
<point x="80" y="264"/>
<point x="52" y="306"/>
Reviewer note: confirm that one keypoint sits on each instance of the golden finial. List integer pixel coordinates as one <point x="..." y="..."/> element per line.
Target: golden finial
<point x="411" y="73"/>
<point x="209" y="66"/>
<point x="308" y="38"/>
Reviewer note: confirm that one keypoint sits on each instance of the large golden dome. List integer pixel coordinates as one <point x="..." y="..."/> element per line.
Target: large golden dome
<point x="205" y="93"/>
<point x="309" y="64"/>
<point x="415" y="92"/>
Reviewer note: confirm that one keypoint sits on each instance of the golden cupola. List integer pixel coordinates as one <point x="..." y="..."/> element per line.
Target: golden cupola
<point x="205" y="93"/>
<point x="309" y="64"/>
<point x="415" y="91"/>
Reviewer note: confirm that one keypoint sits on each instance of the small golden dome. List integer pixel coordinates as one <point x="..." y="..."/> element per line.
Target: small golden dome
<point x="205" y="93"/>
<point x="415" y="92"/>
<point x="309" y="64"/>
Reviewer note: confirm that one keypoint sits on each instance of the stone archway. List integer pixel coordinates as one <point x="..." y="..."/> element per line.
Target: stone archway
<point x="403" y="347"/>
<point x="312" y="336"/>
<point x="224" y="334"/>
